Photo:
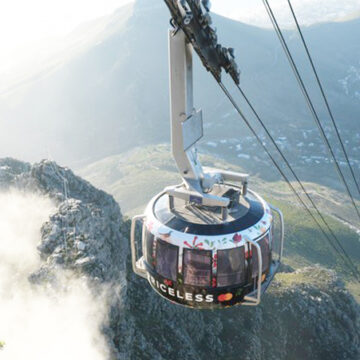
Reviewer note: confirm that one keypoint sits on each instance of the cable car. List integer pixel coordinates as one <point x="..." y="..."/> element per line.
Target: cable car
<point x="209" y="242"/>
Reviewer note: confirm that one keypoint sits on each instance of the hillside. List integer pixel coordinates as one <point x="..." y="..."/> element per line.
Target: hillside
<point x="112" y="95"/>
<point x="127" y="175"/>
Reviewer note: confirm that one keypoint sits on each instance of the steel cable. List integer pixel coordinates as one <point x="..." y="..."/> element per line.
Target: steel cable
<point x="345" y="257"/>
<point x="308" y="100"/>
<point x="294" y="174"/>
<point x="324" y="96"/>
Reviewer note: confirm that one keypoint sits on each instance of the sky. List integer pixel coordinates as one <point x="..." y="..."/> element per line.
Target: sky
<point x="23" y="21"/>
<point x="24" y="24"/>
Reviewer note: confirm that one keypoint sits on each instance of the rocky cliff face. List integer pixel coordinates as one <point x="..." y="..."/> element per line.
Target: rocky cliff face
<point x="84" y="234"/>
<point x="306" y="314"/>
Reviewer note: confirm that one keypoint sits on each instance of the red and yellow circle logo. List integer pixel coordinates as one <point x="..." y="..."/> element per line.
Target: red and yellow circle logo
<point x="225" y="297"/>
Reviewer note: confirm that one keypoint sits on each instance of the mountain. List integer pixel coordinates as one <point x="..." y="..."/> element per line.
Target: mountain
<point x="306" y="313"/>
<point x="80" y="241"/>
<point x="71" y="236"/>
<point x="112" y="95"/>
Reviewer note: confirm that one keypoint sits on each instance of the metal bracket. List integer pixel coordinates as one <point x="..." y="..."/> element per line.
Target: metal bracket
<point x="282" y="230"/>
<point x="255" y="300"/>
<point x="213" y="176"/>
<point x="137" y="265"/>
<point x="195" y="197"/>
<point x="192" y="129"/>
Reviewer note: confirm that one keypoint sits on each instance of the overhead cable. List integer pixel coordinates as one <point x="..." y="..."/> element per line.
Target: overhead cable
<point x="343" y="255"/>
<point x="295" y="175"/>
<point x="308" y="100"/>
<point x="324" y="96"/>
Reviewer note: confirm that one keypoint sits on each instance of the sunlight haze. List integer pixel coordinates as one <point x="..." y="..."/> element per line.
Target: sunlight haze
<point x="25" y="25"/>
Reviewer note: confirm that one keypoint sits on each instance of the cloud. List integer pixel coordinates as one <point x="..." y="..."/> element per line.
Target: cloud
<point x="41" y="321"/>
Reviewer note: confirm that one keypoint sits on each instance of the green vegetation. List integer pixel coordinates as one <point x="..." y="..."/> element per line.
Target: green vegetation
<point x="306" y="245"/>
<point x="315" y="276"/>
<point x="354" y="288"/>
<point x="134" y="178"/>
<point x="2" y="344"/>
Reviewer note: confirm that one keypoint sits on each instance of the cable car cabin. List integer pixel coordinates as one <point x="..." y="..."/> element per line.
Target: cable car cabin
<point x="192" y="257"/>
<point x="205" y="243"/>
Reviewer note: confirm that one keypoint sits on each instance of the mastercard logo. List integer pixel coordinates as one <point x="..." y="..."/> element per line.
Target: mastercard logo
<point x="225" y="297"/>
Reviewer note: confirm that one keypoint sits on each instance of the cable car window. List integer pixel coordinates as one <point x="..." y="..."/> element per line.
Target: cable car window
<point x="231" y="266"/>
<point x="197" y="267"/>
<point x="265" y="254"/>
<point x="149" y="243"/>
<point x="166" y="259"/>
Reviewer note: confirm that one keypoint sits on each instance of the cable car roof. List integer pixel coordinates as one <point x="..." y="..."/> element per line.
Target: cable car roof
<point x="252" y="226"/>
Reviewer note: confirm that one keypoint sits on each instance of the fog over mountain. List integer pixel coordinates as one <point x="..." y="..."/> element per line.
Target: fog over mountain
<point x="55" y="321"/>
<point x="112" y="94"/>
<point x="60" y="265"/>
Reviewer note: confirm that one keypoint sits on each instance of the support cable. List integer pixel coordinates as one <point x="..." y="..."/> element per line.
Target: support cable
<point x="324" y="96"/>
<point x="347" y="260"/>
<point x="308" y="100"/>
<point x="294" y="174"/>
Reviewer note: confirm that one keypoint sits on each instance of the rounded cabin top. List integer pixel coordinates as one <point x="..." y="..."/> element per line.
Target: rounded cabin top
<point x="189" y="226"/>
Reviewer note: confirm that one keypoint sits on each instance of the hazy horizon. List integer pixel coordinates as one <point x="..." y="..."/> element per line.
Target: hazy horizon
<point x="34" y="34"/>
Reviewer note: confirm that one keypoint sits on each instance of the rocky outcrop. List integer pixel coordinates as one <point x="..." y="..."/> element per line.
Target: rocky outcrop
<point x="84" y="235"/>
<point x="85" y="232"/>
<point x="306" y="314"/>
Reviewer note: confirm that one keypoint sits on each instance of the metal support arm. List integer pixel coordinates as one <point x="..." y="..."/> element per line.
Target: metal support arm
<point x="186" y="123"/>
<point x="187" y="129"/>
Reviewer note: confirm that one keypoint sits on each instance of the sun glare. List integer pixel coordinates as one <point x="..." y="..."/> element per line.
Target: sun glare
<point x="25" y="24"/>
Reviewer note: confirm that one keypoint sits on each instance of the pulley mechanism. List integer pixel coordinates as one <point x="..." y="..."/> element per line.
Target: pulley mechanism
<point x="193" y="18"/>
